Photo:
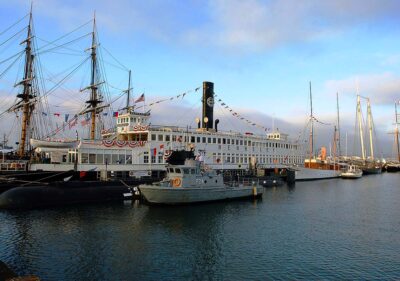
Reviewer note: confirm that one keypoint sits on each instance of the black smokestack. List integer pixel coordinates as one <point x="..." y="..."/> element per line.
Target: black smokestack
<point x="208" y="105"/>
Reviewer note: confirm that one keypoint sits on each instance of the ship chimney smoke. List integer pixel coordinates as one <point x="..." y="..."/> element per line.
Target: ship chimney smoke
<point x="216" y="125"/>
<point x="208" y="105"/>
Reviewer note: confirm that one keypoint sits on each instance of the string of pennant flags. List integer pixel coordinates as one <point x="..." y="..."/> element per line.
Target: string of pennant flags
<point x="238" y="116"/>
<point x="167" y="99"/>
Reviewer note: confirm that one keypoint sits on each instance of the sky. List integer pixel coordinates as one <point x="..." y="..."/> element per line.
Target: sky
<point x="261" y="56"/>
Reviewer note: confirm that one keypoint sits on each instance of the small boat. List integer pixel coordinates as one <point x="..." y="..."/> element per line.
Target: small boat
<point x="392" y="167"/>
<point x="189" y="181"/>
<point x="54" y="143"/>
<point x="352" y="172"/>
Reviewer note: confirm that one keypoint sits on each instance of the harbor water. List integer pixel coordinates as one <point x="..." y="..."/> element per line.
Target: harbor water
<point x="324" y="230"/>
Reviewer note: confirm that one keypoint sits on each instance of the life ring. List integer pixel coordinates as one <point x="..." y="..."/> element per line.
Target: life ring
<point x="176" y="182"/>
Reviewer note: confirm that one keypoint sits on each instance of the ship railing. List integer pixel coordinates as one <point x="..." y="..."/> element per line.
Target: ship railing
<point x="240" y="182"/>
<point x="18" y="165"/>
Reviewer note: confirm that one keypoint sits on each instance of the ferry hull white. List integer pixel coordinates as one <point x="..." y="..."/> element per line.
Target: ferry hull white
<point x="308" y="174"/>
<point x="175" y="196"/>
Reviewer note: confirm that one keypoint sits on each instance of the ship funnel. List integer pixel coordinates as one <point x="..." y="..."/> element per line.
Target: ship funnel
<point x="216" y="125"/>
<point x="208" y="105"/>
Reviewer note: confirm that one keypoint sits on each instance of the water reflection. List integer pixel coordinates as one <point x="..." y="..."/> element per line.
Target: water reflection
<point x="330" y="229"/>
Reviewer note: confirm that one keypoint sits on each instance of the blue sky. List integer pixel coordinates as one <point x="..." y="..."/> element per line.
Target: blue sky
<point x="261" y="55"/>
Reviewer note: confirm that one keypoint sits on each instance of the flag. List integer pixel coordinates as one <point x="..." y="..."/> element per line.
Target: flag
<point x="57" y="114"/>
<point x="140" y="99"/>
<point x="66" y="117"/>
<point x="161" y="147"/>
<point x="154" y="151"/>
<point x="115" y="114"/>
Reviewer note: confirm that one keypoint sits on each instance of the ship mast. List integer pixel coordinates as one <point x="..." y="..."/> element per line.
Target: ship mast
<point x="397" y="132"/>
<point x="369" y="116"/>
<point x="359" y="117"/>
<point x="128" y="94"/>
<point x="94" y="98"/>
<point x="26" y="96"/>
<point x="312" y="129"/>
<point x="338" y="125"/>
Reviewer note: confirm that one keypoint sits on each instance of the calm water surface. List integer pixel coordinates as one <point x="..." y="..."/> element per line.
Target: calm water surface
<point x="325" y="230"/>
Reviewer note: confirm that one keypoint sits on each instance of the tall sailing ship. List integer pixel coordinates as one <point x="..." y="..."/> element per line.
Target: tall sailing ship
<point x="317" y="167"/>
<point x="368" y="164"/>
<point x="393" y="165"/>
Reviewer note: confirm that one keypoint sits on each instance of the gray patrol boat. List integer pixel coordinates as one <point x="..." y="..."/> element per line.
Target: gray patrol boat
<point x="189" y="181"/>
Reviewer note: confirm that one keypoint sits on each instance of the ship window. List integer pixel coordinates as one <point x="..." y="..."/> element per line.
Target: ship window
<point x="84" y="158"/>
<point x="224" y="141"/>
<point x="167" y="138"/>
<point x="160" y="137"/>
<point x="153" y="159"/>
<point x="192" y="139"/>
<point x="153" y="137"/>
<point x="114" y="159"/>
<point x="186" y="171"/>
<point x="121" y="159"/>
<point x="219" y="140"/>
<point x="177" y="170"/>
<point x="228" y="141"/>
<point x="173" y="137"/>
<point x="214" y="140"/>
<point x="160" y="159"/>
<point x="209" y="140"/>
<point x="99" y="158"/>
<point x="241" y="142"/>
<point x="193" y="171"/>
<point x="92" y="158"/>
<point x="204" y="139"/>
<point x="198" y="139"/>
<point x="146" y="159"/>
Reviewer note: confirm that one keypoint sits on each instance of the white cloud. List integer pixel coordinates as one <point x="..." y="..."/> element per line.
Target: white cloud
<point x="381" y="88"/>
<point x="231" y="24"/>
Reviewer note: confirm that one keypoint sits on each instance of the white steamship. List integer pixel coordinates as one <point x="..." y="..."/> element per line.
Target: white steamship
<point x="136" y="147"/>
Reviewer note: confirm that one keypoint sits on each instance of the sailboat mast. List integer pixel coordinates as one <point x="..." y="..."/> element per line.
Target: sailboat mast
<point x="338" y="125"/>
<point x="369" y="116"/>
<point x="397" y="132"/>
<point x="26" y="96"/>
<point x="312" y="128"/>
<point x="359" y="117"/>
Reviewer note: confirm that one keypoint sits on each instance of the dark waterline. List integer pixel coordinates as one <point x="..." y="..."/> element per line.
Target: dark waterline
<point x="324" y="230"/>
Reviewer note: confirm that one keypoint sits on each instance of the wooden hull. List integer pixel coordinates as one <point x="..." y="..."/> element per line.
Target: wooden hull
<point x="371" y="170"/>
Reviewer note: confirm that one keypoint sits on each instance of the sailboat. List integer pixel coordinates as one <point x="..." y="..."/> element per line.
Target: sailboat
<point x="320" y="167"/>
<point x="394" y="165"/>
<point x="369" y="165"/>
